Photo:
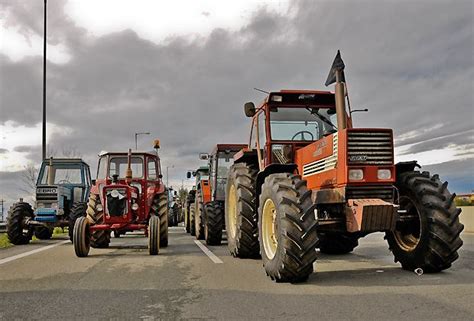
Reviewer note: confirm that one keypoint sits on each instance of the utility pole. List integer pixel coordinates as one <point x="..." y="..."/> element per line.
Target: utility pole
<point x="44" y="82"/>
<point x="136" y="135"/>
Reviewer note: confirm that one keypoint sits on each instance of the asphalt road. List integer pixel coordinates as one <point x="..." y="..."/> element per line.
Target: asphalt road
<point x="124" y="282"/>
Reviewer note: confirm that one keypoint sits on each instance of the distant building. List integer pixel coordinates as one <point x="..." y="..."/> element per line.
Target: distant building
<point x="467" y="199"/>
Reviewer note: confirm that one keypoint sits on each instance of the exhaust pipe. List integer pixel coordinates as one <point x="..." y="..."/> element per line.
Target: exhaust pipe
<point x="128" y="174"/>
<point x="50" y="172"/>
<point x="336" y="75"/>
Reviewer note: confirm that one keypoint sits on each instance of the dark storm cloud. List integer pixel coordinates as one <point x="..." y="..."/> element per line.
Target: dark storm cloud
<point x="411" y="65"/>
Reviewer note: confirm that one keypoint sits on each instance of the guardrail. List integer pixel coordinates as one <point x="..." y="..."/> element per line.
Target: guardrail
<point x="3" y="227"/>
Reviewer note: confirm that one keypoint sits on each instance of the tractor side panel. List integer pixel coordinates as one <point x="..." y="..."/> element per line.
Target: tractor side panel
<point x="206" y="191"/>
<point x="317" y="162"/>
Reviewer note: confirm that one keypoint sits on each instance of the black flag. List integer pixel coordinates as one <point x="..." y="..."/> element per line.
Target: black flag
<point x="338" y="64"/>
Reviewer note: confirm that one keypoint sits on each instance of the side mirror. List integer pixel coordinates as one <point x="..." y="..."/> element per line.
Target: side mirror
<point x="249" y="109"/>
<point x="93" y="181"/>
<point x="203" y="156"/>
<point x="188" y="175"/>
<point x="175" y="193"/>
<point x="160" y="176"/>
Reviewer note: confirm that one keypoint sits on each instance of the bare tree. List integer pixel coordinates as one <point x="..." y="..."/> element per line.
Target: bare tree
<point x="28" y="180"/>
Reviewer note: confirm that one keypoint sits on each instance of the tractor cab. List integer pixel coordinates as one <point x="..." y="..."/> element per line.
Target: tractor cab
<point x="220" y="160"/>
<point x="61" y="182"/>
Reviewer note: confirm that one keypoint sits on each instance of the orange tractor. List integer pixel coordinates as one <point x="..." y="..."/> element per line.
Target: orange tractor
<point x="309" y="179"/>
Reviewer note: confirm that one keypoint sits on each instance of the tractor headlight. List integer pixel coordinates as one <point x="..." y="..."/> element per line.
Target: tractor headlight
<point x="54" y="205"/>
<point x="99" y="207"/>
<point x="40" y="205"/>
<point x="356" y="174"/>
<point x="384" y="174"/>
<point x="135" y="206"/>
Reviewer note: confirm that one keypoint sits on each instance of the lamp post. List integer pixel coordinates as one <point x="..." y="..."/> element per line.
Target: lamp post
<point x="136" y="135"/>
<point x="44" y="85"/>
<point x="167" y="167"/>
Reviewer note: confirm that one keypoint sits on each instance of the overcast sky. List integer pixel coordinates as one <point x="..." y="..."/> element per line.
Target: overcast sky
<point x="182" y="70"/>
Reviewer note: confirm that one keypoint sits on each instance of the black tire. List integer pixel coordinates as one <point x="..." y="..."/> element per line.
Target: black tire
<point x="160" y="209"/>
<point x="199" y="217"/>
<point x="192" y="213"/>
<point x="117" y="234"/>
<point x="78" y="210"/>
<point x="17" y="232"/>
<point x="187" y="224"/>
<point x="154" y="235"/>
<point x="43" y="232"/>
<point x="431" y="241"/>
<point x="295" y="228"/>
<point x="337" y="243"/>
<point x="99" y="239"/>
<point x="214" y="223"/>
<point x="81" y="237"/>
<point x="242" y="237"/>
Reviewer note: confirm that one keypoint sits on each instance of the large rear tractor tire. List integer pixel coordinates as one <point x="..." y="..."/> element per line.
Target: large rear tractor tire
<point x="78" y="210"/>
<point x="99" y="239"/>
<point x="17" y="231"/>
<point x="192" y="215"/>
<point x="337" y="243"/>
<point x="160" y="209"/>
<point x="81" y="237"/>
<point x="214" y="223"/>
<point x="427" y="233"/>
<point x="240" y="211"/>
<point x="154" y="235"/>
<point x="187" y="224"/>
<point x="287" y="228"/>
<point x="43" y="232"/>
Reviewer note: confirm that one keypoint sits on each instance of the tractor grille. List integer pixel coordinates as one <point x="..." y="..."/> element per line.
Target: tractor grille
<point x="47" y="194"/>
<point x="369" y="148"/>
<point x="384" y="192"/>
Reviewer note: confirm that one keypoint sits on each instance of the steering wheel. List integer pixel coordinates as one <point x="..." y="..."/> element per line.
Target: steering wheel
<point x="302" y="133"/>
<point x="64" y="181"/>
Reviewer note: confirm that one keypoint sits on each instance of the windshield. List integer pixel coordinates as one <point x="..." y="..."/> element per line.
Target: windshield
<point x="118" y="166"/>
<point x="61" y="175"/>
<point x="301" y="124"/>
<point x="223" y="164"/>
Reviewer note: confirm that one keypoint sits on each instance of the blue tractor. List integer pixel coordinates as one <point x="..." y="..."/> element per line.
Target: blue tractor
<point x="63" y="183"/>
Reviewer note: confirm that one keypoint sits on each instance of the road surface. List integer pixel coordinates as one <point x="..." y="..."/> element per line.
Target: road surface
<point x="183" y="282"/>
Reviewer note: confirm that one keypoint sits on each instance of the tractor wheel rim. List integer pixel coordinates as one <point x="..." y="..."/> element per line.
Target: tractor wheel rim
<point x="409" y="236"/>
<point x="232" y="211"/>
<point x="269" y="228"/>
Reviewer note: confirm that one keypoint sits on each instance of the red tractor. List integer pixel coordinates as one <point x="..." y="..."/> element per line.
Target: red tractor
<point x="128" y="195"/>
<point x="309" y="179"/>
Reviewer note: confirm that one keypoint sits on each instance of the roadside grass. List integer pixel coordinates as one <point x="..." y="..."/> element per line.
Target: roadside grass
<point x="4" y="242"/>
<point x="59" y="232"/>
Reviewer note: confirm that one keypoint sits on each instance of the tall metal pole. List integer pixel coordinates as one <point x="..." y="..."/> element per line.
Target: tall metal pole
<point x="136" y="144"/>
<point x="44" y="82"/>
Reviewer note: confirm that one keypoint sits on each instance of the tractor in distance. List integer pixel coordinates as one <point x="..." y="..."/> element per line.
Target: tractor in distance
<point x="202" y="196"/>
<point x="174" y="209"/>
<point x="309" y="179"/>
<point x="128" y="195"/>
<point x="63" y="184"/>
<point x="220" y="160"/>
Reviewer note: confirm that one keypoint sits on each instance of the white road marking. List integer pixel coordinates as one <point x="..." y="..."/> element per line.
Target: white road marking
<point x="22" y="255"/>
<point x="208" y="252"/>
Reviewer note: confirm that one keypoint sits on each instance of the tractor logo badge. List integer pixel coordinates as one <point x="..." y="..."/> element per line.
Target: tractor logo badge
<point x="319" y="148"/>
<point x="46" y="190"/>
<point x="358" y="158"/>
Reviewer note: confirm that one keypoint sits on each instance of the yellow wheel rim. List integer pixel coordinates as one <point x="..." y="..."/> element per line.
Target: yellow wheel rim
<point x="269" y="228"/>
<point x="232" y="211"/>
<point x="408" y="237"/>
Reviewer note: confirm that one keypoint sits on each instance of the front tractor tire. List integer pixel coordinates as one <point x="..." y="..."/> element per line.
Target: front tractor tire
<point x="78" y="210"/>
<point x="192" y="214"/>
<point x="198" y="217"/>
<point x="337" y="243"/>
<point x="43" y="232"/>
<point x="99" y="238"/>
<point x="240" y="211"/>
<point x="17" y="231"/>
<point x="159" y="208"/>
<point x="427" y="233"/>
<point x="287" y="228"/>
<point x="154" y="228"/>
<point x="81" y="237"/>
<point x="214" y="223"/>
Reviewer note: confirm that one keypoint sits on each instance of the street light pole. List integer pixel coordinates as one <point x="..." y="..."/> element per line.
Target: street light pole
<point x="136" y="135"/>
<point x="44" y="83"/>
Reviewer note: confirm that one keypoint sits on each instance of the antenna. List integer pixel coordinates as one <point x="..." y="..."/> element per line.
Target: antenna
<point x="261" y="90"/>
